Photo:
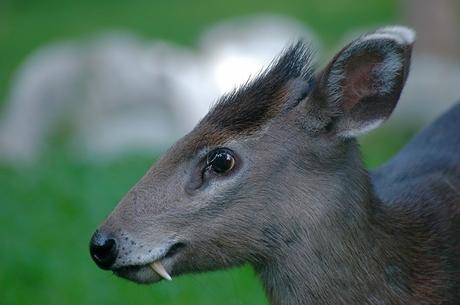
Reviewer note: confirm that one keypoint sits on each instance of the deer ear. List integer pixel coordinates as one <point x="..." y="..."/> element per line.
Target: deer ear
<point x="363" y="82"/>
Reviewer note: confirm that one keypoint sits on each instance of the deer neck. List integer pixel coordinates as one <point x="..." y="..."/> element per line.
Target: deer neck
<point x="340" y="260"/>
<point x="348" y="269"/>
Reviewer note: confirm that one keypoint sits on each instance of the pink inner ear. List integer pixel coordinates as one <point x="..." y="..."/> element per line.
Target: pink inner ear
<point x="360" y="80"/>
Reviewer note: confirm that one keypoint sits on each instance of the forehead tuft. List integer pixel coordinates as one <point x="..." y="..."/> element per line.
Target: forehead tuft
<point x="248" y="107"/>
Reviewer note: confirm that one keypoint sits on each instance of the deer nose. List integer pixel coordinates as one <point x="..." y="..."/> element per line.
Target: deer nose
<point x="103" y="250"/>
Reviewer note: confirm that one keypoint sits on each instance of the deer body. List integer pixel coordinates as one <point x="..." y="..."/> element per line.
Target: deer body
<point x="273" y="177"/>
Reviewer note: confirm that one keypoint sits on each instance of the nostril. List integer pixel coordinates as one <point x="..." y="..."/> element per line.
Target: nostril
<point x="103" y="250"/>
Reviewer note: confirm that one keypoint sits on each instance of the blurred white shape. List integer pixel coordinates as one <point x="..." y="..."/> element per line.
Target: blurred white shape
<point x="137" y="97"/>
<point x="117" y="92"/>
<point x="232" y="69"/>
<point x="41" y="94"/>
<point x="236" y="50"/>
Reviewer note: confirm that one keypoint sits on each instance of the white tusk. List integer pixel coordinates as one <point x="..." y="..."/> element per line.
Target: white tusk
<point x="158" y="268"/>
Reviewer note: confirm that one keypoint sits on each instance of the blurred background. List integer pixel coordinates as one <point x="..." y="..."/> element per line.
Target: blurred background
<point x="92" y="92"/>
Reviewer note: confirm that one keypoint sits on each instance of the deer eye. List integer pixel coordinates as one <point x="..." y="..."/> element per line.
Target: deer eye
<point x="220" y="160"/>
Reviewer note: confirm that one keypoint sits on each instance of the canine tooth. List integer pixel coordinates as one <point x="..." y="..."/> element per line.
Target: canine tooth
<point x="158" y="268"/>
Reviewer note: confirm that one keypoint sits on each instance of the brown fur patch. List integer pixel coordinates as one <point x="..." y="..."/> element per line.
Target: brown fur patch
<point x="244" y="111"/>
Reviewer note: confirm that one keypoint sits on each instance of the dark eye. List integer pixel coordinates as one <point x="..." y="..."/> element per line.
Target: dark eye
<point x="220" y="160"/>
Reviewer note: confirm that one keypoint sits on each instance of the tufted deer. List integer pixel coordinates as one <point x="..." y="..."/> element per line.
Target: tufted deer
<point x="272" y="176"/>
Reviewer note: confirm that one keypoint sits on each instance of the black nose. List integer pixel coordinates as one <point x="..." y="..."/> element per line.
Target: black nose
<point x="103" y="250"/>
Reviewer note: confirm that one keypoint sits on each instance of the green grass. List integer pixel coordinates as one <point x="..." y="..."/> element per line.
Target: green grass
<point x="48" y="211"/>
<point x="47" y="215"/>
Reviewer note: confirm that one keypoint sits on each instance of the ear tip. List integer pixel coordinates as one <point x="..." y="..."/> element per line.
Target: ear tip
<point x="401" y="34"/>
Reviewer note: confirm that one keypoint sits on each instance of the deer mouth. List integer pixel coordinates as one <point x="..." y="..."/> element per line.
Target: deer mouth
<point x="147" y="273"/>
<point x="153" y="271"/>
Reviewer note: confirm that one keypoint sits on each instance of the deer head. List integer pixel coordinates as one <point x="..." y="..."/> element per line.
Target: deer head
<point x="272" y="171"/>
